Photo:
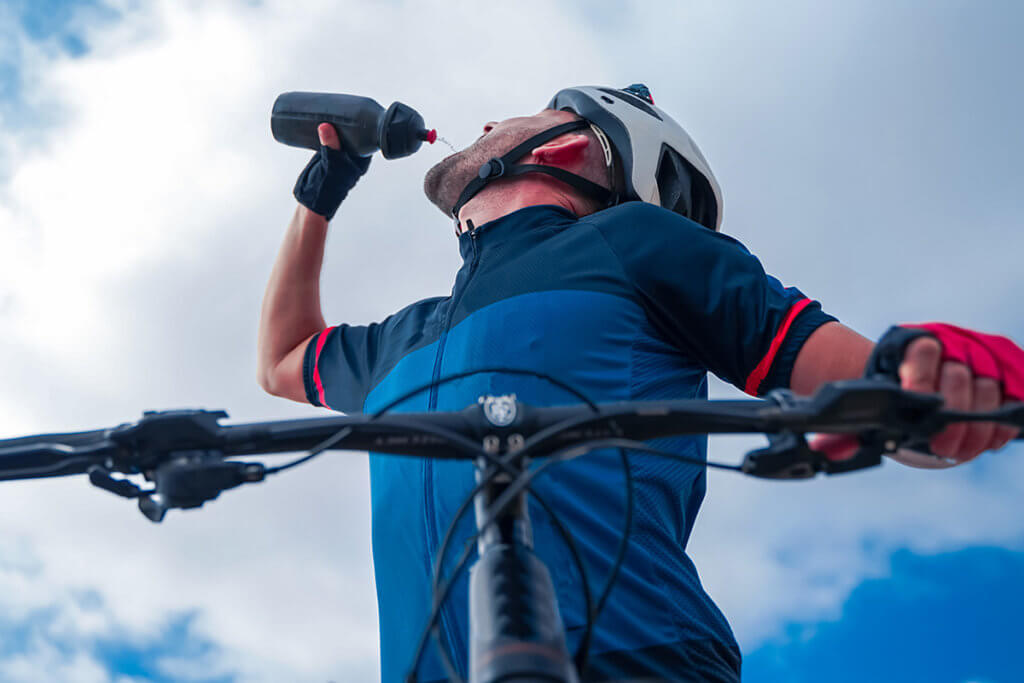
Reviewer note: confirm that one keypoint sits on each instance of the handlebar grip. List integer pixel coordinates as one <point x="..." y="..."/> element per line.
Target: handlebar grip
<point x="885" y="360"/>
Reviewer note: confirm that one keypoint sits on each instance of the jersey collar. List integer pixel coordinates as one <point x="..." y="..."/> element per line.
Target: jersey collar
<point x="500" y="229"/>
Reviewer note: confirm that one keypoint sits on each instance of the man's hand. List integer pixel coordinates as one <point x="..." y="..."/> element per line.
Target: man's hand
<point x="925" y="370"/>
<point x="972" y="371"/>
<point x="329" y="175"/>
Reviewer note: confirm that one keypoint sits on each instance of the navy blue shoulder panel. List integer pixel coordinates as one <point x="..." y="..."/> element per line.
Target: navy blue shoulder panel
<point x="342" y="363"/>
<point x="710" y="296"/>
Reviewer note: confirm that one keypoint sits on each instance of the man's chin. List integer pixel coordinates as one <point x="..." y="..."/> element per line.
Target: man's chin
<point x="441" y="184"/>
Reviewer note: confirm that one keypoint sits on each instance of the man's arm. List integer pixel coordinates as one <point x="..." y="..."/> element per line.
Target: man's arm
<point x="291" y="313"/>
<point x="832" y="352"/>
<point x="835" y="352"/>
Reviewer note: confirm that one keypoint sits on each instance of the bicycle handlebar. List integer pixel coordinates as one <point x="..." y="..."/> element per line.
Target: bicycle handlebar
<point x="847" y="407"/>
<point x="186" y="454"/>
<point x="175" y="448"/>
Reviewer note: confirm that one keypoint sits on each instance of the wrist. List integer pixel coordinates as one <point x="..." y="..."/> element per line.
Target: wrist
<point x="311" y="221"/>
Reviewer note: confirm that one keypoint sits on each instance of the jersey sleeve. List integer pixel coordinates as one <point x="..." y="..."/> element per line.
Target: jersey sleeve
<point x="344" y="362"/>
<point x="712" y="299"/>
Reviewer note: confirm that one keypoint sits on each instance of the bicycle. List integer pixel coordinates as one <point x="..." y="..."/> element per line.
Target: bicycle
<point x="516" y="632"/>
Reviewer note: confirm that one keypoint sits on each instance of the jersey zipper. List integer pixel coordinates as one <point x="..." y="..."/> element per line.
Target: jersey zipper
<point x="451" y="633"/>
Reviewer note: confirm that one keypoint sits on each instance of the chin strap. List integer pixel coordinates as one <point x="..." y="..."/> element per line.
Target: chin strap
<point x="505" y="167"/>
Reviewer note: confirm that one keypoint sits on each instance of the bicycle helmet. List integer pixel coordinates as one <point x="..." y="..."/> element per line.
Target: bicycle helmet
<point x="660" y="163"/>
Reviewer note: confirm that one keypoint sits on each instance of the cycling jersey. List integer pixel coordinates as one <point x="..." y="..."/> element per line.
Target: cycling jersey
<point x="631" y="303"/>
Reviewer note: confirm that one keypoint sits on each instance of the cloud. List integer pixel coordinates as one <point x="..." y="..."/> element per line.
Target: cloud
<point x="53" y="632"/>
<point x="142" y="201"/>
<point x="139" y="230"/>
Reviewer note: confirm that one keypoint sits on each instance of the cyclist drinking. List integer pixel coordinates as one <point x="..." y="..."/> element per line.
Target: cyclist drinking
<point x="592" y="252"/>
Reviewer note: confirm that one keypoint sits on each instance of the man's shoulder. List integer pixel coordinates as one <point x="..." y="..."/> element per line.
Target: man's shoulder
<point x="635" y="229"/>
<point x="630" y="219"/>
<point x="636" y="210"/>
<point x="415" y="313"/>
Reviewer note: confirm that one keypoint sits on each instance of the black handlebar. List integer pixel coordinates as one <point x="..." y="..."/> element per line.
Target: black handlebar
<point x="184" y="452"/>
<point x="188" y="457"/>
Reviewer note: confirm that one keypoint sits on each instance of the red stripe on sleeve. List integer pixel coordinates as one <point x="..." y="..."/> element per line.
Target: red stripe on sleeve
<point x="761" y="371"/>
<point x="320" y="341"/>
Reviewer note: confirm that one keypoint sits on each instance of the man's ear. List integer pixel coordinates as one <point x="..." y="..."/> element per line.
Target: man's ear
<point x="564" y="150"/>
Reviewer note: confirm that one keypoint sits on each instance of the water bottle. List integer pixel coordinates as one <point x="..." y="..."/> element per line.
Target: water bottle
<point x="363" y="125"/>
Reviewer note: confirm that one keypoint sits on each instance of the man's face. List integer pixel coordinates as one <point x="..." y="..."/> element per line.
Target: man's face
<point x="445" y="181"/>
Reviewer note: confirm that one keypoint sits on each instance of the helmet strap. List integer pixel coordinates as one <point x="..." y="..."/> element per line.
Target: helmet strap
<point x="505" y="167"/>
<point x="609" y="160"/>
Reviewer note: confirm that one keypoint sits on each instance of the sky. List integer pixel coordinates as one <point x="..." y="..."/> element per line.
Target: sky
<point x="869" y="153"/>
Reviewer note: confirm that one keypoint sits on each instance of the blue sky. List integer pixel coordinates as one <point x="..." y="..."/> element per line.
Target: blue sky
<point x="870" y="153"/>
<point x="901" y="627"/>
<point x="45" y="21"/>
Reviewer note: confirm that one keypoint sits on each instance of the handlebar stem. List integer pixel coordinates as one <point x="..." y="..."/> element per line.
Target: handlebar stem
<point x="516" y="632"/>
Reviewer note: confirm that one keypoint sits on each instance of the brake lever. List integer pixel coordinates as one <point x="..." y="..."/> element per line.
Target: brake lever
<point x="878" y="411"/>
<point x="100" y="477"/>
<point x="190" y="478"/>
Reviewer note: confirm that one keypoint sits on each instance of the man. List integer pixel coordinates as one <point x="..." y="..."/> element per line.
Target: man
<point x="592" y="253"/>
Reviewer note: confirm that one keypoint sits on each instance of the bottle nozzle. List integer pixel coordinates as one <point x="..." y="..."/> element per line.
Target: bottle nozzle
<point x="430" y="136"/>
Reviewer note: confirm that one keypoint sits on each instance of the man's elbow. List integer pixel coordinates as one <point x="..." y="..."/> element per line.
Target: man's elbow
<point x="268" y="380"/>
<point x="283" y="378"/>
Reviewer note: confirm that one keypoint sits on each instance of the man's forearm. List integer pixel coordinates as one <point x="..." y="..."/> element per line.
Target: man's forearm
<point x="833" y="352"/>
<point x="291" y="311"/>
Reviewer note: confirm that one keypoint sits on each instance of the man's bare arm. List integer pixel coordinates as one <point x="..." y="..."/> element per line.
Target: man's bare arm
<point x="833" y="352"/>
<point x="291" y="312"/>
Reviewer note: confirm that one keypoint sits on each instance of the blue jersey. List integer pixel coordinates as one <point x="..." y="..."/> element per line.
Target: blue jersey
<point x="631" y="303"/>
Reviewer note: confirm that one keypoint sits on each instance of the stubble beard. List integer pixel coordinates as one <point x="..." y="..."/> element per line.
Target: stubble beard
<point x="446" y="179"/>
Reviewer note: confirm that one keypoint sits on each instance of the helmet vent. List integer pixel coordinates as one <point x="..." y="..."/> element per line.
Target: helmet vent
<point x="685" y="190"/>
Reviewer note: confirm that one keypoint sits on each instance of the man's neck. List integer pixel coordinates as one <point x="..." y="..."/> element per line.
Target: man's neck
<point x="499" y="200"/>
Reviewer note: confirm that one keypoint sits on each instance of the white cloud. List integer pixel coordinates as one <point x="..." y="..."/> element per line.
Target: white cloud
<point x="46" y="662"/>
<point x="138" y="235"/>
<point x="142" y="210"/>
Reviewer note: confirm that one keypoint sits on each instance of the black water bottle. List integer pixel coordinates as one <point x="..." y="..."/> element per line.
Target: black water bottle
<point x="364" y="125"/>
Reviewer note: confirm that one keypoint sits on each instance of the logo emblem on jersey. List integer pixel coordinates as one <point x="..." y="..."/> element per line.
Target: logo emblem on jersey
<point x="500" y="411"/>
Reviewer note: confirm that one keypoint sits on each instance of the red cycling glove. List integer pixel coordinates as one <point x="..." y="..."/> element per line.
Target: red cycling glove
<point x="987" y="355"/>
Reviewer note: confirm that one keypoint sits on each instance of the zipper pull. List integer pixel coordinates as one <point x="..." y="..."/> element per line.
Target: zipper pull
<point x="471" y="229"/>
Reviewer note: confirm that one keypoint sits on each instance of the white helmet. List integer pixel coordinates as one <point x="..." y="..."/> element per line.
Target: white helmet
<point x="661" y="164"/>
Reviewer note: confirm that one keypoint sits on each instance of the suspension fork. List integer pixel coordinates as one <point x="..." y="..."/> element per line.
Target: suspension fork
<point x="515" y="630"/>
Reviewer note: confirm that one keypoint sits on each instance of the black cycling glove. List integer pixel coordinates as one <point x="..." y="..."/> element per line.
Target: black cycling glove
<point x="327" y="179"/>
